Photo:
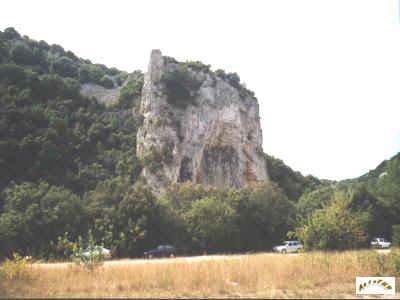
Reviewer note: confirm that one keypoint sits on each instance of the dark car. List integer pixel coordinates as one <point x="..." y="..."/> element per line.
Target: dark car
<point x="161" y="251"/>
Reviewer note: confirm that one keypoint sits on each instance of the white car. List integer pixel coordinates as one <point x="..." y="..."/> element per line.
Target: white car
<point x="96" y="251"/>
<point x="289" y="247"/>
<point x="380" y="243"/>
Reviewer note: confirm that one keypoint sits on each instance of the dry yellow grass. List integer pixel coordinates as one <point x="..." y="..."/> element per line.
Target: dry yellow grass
<point x="317" y="274"/>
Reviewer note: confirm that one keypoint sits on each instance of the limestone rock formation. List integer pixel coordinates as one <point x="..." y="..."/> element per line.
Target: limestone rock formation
<point x="199" y="126"/>
<point x="103" y="95"/>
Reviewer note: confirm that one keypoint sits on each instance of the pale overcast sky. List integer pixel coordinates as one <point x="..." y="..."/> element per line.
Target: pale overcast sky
<point x="325" y="72"/>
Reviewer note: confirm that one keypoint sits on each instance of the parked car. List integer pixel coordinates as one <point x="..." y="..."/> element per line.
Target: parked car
<point x="96" y="251"/>
<point x="289" y="247"/>
<point x="161" y="251"/>
<point x="380" y="242"/>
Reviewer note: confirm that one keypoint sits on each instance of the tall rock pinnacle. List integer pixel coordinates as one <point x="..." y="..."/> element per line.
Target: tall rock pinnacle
<point x="199" y="126"/>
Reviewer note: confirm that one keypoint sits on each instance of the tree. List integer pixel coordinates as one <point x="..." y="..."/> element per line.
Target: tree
<point x="131" y="91"/>
<point x="107" y="82"/>
<point x="181" y="86"/>
<point x="36" y="214"/>
<point x="22" y="54"/>
<point x="65" y="66"/>
<point x="313" y="200"/>
<point x="264" y="215"/>
<point x="211" y="223"/>
<point x="141" y="222"/>
<point x="10" y="33"/>
<point x="334" y="226"/>
<point x="396" y="235"/>
<point x="90" y="73"/>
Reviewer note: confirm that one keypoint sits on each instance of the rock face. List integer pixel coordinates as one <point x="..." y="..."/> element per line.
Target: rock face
<point x="103" y="95"/>
<point x="198" y="126"/>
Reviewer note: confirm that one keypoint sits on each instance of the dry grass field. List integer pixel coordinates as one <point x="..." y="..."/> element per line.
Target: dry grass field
<point x="266" y="275"/>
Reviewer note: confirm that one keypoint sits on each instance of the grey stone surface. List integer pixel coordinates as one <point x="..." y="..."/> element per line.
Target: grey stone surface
<point x="215" y="139"/>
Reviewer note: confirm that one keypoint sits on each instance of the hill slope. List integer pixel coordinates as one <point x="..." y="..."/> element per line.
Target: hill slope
<point x="69" y="166"/>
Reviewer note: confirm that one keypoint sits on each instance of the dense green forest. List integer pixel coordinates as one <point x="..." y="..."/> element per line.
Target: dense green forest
<point x="68" y="167"/>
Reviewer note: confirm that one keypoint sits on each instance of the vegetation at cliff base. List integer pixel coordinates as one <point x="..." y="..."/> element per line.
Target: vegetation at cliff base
<point x="68" y="167"/>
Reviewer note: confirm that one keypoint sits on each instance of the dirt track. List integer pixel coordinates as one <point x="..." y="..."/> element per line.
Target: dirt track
<point x="187" y="259"/>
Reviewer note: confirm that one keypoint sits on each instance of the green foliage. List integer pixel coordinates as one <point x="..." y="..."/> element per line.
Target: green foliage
<point x="68" y="165"/>
<point x="3" y="52"/>
<point x="70" y="88"/>
<point x="313" y="200"/>
<point x="396" y="258"/>
<point x="293" y="183"/>
<point x="234" y="80"/>
<point x="33" y="215"/>
<point x="93" y="258"/>
<point x="264" y="216"/>
<point x="153" y="160"/>
<point x="181" y="86"/>
<point x="131" y="91"/>
<point x="181" y="196"/>
<point x="20" y="53"/>
<point x="65" y="66"/>
<point x="197" y="66"/>
<point x="211" y="223"/>
<point x="10" y="33"/>
<point x="63" y="247"/>
<point x="167" y="152"/>
<point x="129" y="220"/>
<point x="90" y="73"/>
<point x="56" y="134"/>
<point x="383" y="184"/>
<point x="13" y="75"/>
<point x="334" y="226"/>
<point x="396" y="235"/>
<point x="18" y="268"/>
<point x="107" y="82"/>
<point x="222" y="219"/>
<point x="386" y="264"/>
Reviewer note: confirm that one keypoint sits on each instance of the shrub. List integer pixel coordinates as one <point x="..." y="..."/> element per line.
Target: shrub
<point x="385" y="264"/>
<point x="63" y="247"/>
<point x="10" y="33"/>
<point x="12" y="74"/>
<point x="71" y="88"/>
<point x="152" y="160"/>
<point x="22" y="54"/>
<point x="234" y="80"/>
<point x="181" y="86"/>
<point x="396" y="259"/>
<point x="57" y="49"/>
<point x="167" y="153"/>
<point x="43" y="45"/>
<point x="396" y="235"/>
<point x="65" y="66"/>
<point x="335" y="226"/>
<point x="211" y="223"/>
<point x="106" y="82"/>
<point x="17" y="268"/>
<point x="112" y="71"/>
<point x="220" y="73"/>
<point x="90" y="73"/>
<point x="3" y="51"/>
<point x="131" y="91"/>
<point x="121" y="77"/>
<point x="93" y="259"/>
<point x="197" y="66"/>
